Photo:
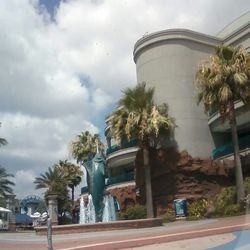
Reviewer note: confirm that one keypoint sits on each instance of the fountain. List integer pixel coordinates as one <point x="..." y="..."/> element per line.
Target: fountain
<point x="109" y="209"/>
<point x="90" y="211"/>
<point x="96" y="184"/>
<point x="82" y="212"/>
<point x="88" y="215"/>
<point x="100" y="206"/>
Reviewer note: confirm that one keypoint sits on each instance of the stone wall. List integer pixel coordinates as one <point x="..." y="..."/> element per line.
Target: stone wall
<point x="104" y="226"/>
<point x="125" y="195"/>
<point x="179" y="175"/>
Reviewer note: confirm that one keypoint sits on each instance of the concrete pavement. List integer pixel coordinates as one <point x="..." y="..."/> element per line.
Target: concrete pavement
<point x="216" y="232"/>
<point x="191" y="244"/>
<point x="231" y="241"/>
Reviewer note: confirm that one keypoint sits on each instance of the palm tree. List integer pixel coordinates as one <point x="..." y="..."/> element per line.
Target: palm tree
<point x="138" y="117"/>
<point x="72" y="173"/>
<point x="220" y="81"/>
<point x="53" y="180"/>
<point x="84" y="146"/>
<point x="2" y="140"/>
<point x="5" y="183"/>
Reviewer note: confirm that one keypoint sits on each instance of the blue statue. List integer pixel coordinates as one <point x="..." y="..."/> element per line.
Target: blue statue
<point x="96" y="181"/>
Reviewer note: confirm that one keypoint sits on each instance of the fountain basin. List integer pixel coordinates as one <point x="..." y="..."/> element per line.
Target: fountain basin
<point x="101" y="226"/>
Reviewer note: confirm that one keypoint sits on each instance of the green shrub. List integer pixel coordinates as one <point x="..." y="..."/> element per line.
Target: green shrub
<point x="169" y="215"/>
<point x="224" y="199"/>
<point x="136" y="212"/>
<point x="233" y="209"/>
<point x="197" y="209"/>
<point x="121" y="216"/>
<point x="247" y="185"/>
<point x="225" y="202"/>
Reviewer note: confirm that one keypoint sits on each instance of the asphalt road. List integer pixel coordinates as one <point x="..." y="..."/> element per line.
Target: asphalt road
<point x="230" y="233"/>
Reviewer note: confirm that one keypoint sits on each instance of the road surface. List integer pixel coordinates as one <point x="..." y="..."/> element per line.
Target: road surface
<point x="204" y="234"/>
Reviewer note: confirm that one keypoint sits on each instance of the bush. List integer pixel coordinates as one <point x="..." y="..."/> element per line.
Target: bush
<point x="246" y="201"/>
<point x="234" y="209"/>
<point x="169" y="215"/>
<point x="224" y="199"/>
<point x="136" y="212"/>
<point x="225" y="202"/>
<point x="197" y="209"/>
<point x="247" y="185"/>
<point x="121" y="216"/>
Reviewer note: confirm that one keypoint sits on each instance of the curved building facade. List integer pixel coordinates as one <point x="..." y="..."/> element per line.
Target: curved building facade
<point x="168" y="60"/>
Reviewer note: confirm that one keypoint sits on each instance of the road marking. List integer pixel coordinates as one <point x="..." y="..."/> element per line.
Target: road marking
<point x="157" y="237"/>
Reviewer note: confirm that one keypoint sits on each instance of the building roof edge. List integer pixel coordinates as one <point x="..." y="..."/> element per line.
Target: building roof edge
<point x="171" y="34"/>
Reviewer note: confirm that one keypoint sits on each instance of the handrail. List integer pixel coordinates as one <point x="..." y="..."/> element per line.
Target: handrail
<point x="120" y="178"/>
<point x="116" y="147"/>
<point x="226" y="149"/>
<point x="214" y="110"/>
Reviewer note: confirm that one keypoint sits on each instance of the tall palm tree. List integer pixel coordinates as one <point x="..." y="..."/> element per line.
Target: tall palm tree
<point x="53" y="180"/>
<point x="221" y="81"/>
<point x="138" y="117"/>
<point x="84" y="146"/>
<point x="5" y="183"/>
<point x="72" y="173"/>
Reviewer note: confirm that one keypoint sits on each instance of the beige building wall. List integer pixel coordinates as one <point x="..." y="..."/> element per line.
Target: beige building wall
<point x="168" y="60"/>
<point x="169" y="65"/>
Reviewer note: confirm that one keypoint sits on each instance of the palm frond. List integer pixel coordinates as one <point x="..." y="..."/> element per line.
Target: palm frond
<point x="84" y="146"/>
<point x="5" y="182"/>
<point x="138" y="116"/>
<point x="225" y="77"/>
<point x="3" y="142"/>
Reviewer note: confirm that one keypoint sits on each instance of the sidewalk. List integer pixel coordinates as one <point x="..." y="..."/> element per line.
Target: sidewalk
<point x="191" y="244"/>
<point x="210" y="233"/>
<point x="231" y="241"/>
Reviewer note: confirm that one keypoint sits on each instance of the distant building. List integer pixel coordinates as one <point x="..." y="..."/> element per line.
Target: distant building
<point x="30" y="204"/>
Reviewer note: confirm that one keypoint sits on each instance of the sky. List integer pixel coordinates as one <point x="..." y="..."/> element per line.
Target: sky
<point x="64" y="63"/>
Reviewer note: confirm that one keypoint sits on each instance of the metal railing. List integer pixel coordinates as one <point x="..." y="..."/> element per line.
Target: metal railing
<point x="214" y="110"/>
<point x="116" y="147"/>
<point x="226" y="149"/>
<point x="120" y="178"/>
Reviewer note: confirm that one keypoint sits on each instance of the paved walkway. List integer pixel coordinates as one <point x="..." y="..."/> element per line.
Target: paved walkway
<point x="239" y="240"/>
<point x="196" y="235"/>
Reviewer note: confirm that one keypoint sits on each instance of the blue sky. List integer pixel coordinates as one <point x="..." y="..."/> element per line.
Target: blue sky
<point x="51" y="5"/>
<point x="62" y="75"/>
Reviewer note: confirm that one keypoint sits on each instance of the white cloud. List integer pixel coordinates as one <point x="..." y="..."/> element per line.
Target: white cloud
<point x="100" y="99"/>
<point x="58" y="78"/>
<point x="25" y="185"/>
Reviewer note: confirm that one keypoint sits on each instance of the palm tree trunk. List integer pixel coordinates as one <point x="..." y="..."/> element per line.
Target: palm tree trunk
<point x="73" y="203"/>
<point x="73" y="195"/>
<point x="238" y="167"/>
<point x="149" y="200"/>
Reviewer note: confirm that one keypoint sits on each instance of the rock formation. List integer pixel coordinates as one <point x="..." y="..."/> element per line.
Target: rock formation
<point x="179" y="175"/>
